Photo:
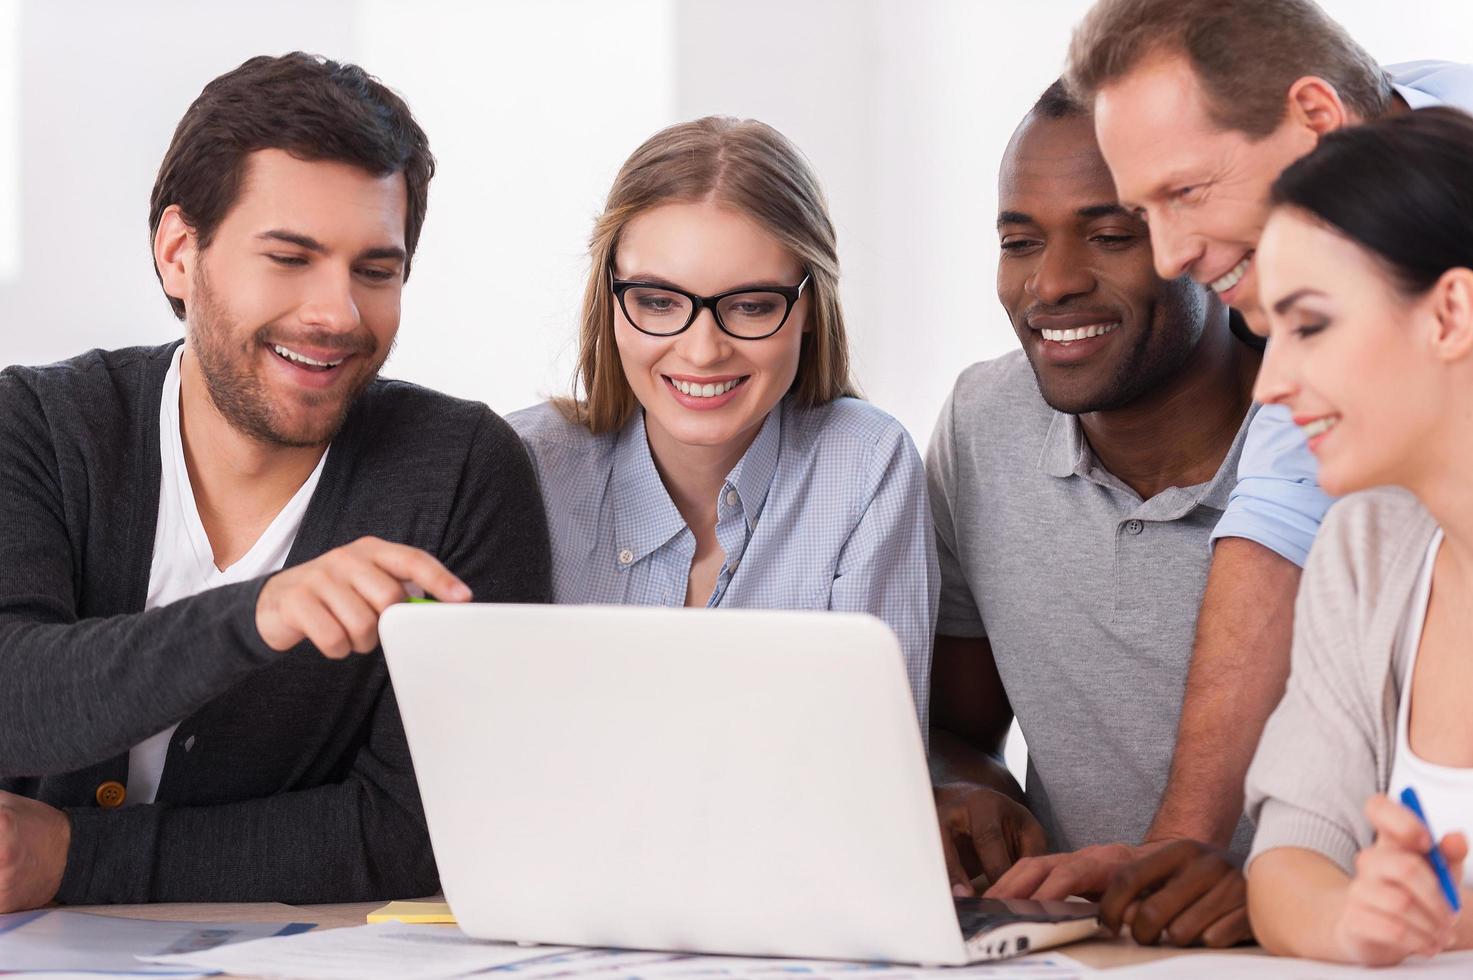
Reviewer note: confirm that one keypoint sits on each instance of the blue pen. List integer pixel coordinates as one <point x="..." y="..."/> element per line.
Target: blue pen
<point x="1444" y="878"/>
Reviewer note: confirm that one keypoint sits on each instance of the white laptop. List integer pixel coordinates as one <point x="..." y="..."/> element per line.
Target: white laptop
<point x="711" y="781"/>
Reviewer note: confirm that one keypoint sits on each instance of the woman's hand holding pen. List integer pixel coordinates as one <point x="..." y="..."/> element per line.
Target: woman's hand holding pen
<point x="1395" y="906"/>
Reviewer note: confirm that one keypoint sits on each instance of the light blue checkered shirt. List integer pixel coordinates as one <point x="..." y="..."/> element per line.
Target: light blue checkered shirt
<point x="826" y="510"/>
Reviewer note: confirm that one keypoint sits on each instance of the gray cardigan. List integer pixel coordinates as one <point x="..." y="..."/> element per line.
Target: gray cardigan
<point x="1329" y="744"/>
<point x="289" y="778"/>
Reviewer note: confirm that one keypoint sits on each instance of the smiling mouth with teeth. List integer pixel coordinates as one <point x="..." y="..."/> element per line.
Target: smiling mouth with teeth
<point x="302" y="360"/>
<point x="1319" y="426"/>
<point x="1233" y="277"/>
<point x="704" y="391"/>
<point x="1067" y="337"/>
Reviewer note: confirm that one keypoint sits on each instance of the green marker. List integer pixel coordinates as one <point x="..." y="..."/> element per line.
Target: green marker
<point x="416" y="598"/>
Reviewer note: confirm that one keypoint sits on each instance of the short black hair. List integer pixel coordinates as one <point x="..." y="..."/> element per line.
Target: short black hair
<point x="1058" y="102"/>
<point x="311" y="107"/>
<point x="1398" y="187"/>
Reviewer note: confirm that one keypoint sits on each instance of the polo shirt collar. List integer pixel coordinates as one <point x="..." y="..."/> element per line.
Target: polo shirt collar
<point x="1066" y="453"/>
<point x="1415" y="98"/>
<point x="1065" y="450"/>
<point x="1215" y="493"/>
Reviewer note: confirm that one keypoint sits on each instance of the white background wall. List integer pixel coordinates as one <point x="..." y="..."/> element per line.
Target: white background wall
<point x="904" y="107"/>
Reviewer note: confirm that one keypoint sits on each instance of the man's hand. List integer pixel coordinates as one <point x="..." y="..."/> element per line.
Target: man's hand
<point x="1085" y="872"/>
<point x="34" y="839"/>
<point x="335" y="599"/>
<point x="1184" y="893"/>
<point x="983" y="831"/>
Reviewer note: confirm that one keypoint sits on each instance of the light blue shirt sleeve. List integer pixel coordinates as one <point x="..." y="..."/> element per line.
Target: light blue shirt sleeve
<point x="1278" y="501"/>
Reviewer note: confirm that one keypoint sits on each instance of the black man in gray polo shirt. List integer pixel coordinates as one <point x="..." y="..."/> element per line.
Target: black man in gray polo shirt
<point x="1075" y="484"/>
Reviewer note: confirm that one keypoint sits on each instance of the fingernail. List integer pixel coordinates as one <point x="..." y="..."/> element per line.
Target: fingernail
<point x="463" y="593"/>
<point x="960" y="891"/>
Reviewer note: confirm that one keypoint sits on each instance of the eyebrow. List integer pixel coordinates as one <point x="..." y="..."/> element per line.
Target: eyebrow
<point x="655" y="280"/>
<point x="1179" y="178"/>
<point x="313" y="245"/>
<point x="1114" y="209"/>
<point x="292" y="238"/>
<point x="1294" y="297"/>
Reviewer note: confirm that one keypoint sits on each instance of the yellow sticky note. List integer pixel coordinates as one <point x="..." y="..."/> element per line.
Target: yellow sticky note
<point x="415" y="913"/>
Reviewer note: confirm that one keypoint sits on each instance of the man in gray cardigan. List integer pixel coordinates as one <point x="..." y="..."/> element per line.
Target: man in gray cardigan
<point x="200" y="537"/>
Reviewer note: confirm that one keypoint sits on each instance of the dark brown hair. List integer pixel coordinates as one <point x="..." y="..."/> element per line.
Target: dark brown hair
<point x="1246" y="54"/>
<point x="1397" y="187"/>
<point x="311" y="107"/>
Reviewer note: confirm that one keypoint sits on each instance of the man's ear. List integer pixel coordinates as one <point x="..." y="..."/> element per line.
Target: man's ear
<point x="1314" y="104"/>
<point x="175" y="249"/>
<point x="1452" y="306"/>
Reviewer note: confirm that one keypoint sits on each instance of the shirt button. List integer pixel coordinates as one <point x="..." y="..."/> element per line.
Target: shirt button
<point x="731" y="498"/>
<point x="733" y="567"/>
<point x="1134" y="527"/>
<point x="626" y="557"/>
<point x="111" y="794"/>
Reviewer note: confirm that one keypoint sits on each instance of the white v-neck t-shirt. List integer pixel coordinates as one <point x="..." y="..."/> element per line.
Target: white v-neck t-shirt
<point x="184" y="563"/>
<point x="1446" y="792"/>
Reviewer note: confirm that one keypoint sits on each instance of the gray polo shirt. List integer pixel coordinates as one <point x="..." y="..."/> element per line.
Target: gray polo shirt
<point x="1087" y="593"/>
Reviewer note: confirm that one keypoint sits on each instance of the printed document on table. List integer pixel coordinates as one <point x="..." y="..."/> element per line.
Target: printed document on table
<point x="613" y="965"/>
<point x="1220" y="966"/>
<point x="428" y="952"/>
<point x="80" y="942"/>
<point x="385" y="949"/>
<point x="90" y="975"/>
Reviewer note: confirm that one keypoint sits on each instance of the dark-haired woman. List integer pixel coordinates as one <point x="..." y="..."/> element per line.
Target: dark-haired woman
<point x="1367" y="274"/>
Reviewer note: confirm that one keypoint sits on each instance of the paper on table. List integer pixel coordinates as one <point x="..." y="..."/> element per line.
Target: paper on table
<point x="585" y="963"/>
<point x="1218" y="966"/>
<point x="604" y="964"/>
<point x="80" y="942"/>
<point x="1043" y="966"/>
<point x="386" y="949"/>
<point x="91" y="975"/>
<point x="705" y="968"/>
<point x="410" y="952"/>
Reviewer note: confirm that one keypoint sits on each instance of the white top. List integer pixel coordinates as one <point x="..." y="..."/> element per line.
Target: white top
<point x="1446" y="792"/>
<point x="184" y="562"/>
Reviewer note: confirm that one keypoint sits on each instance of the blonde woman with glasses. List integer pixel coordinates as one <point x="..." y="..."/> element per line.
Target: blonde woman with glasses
<point x="716" y="455"/>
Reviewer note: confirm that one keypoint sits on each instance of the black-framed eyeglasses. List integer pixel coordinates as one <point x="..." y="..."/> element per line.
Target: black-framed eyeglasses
<point x="746" y="314"/>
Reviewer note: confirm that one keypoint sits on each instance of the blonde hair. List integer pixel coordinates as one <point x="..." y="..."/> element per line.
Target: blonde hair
<point x="752" y="168"/>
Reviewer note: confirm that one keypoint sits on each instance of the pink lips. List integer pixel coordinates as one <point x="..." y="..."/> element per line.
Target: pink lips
<point x="703" y="404"/>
